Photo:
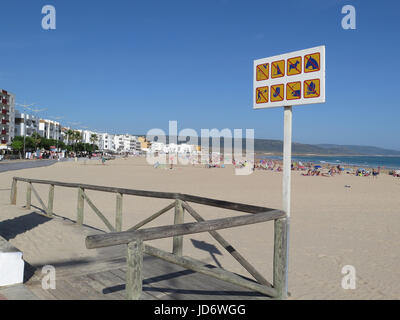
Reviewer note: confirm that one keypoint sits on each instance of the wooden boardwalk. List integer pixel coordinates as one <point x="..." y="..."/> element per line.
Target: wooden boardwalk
<point x="105" y="280"/>
<point x="162" y="275"/>
<point x="104" y="277"/>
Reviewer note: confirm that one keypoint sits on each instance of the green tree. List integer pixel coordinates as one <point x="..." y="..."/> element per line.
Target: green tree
<point x="77" y="138"/>
<point x="17" y="145"/>
<point x="70" y="134"/>
<point x="36" y="139"/>
<point x="93" y="138"/>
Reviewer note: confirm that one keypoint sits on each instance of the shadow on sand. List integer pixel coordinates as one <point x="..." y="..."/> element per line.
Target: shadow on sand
<point x="11" y="228"/>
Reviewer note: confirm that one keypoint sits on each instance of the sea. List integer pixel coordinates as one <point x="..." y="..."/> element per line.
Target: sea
<point x="388" y="162"/>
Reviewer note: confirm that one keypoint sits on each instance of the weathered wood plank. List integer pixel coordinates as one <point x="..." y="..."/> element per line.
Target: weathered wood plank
<point x="134" y="276"/>
<point x="111" y="239"/>
<point x="228" y="247"/>
<point x="80" y="206"/>
<point x="200" y="267"/>
<point x="118" y="212"/>
<point x="280" y="257"/>
<point x="99" y="214"/>
<point x="82" y="284"/>
<point x="95" y="288"/>
<point x="28" y="196"/>
<point x="152" y="217"/>
<point x="121" y="274"/>
<point x="42" y="294"/>
<point x="50" y="204"/>
<point x="142" y="193"/>
<point x="223" y="204"/>
<point x="108" y="281"/>
<point x="13" y="195"/>
<point x="177" y="247"/>
<point x="156" y="194"/>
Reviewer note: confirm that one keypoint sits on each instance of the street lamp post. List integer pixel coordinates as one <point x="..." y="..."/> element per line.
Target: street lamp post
<point x="24" y="135"/>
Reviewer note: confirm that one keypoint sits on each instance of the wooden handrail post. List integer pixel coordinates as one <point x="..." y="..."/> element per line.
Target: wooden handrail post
<point x="118" y="213"/>
<point x="28" y="195"/>
<point x="13" y="196"/>
<point x="51" y="201"/>
<point x="280" y="257"/>
<point x="134" y="276"/>
<point x="80" y="207"/>
<point x="178" y="219"/>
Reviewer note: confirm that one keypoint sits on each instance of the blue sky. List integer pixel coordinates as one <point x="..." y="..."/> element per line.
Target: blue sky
<point x="129" y="66"/>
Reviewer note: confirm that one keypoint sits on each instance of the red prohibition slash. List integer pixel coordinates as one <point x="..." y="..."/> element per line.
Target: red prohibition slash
<point x="307" y="59"/>
<point x="289" y="62"/>
<point x="259" y="68"/>
<point x="282" y="72"/>
<point x="260" y="92"/>
<point x="289" y="85"/>
<point x="306" y="84"/>
<point x="272" y="87"/>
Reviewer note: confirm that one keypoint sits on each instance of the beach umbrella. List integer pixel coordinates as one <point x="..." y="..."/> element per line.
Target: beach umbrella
<point x="361" y="169"/>
<point x="316" y="167"/>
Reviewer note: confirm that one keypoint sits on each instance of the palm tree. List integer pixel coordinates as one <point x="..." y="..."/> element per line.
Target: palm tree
<point x="77" y="137"/>
<point x="70" y="134"/>
<point x="93" y="138"/>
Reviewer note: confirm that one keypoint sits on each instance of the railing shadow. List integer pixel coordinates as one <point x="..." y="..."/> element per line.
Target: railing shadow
<point x="210" y="248"/>
<point x="11" y="228"/>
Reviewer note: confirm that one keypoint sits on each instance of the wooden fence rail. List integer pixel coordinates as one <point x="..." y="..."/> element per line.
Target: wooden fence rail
<point x="133" y="238"/>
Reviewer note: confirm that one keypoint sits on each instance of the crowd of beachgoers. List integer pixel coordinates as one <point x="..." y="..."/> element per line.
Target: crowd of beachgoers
<point x="312" y="169"/>
<point x="304" y="168"/>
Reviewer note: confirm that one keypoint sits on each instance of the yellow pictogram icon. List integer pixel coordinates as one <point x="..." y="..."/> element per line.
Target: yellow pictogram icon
<point x="312" y="62"/>
<point x="262" y="95"/>
<point x="293" y="90"/>
<point x="294" y="66"/>
<point x="263" y="71"/>
<point x="277" y="92"/>
<point x="278" y="69"/>
<point x="312" y="88"/>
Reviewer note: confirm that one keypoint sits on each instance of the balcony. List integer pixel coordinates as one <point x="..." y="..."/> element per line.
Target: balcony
<point x="4" y="111"/>
<point x="4" y="141"/>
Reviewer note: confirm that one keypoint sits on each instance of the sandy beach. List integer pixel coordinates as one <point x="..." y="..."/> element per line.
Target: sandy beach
<point x="331" y="225"/>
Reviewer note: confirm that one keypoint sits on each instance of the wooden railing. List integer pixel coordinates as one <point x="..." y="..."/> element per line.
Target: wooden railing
<point x="133" y="238"/>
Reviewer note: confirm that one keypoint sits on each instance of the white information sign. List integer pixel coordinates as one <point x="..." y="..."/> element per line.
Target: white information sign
<point x="290" y="79"/>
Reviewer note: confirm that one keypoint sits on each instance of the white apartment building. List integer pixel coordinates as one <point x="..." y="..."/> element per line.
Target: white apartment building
<point x="87" y="134"/>
<point x="26" y="124"/>
<point x="50" y="129"/>
<point x="106" y="142"/>
<point x="126" y="143"/>
<point x="7" y="126"/>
